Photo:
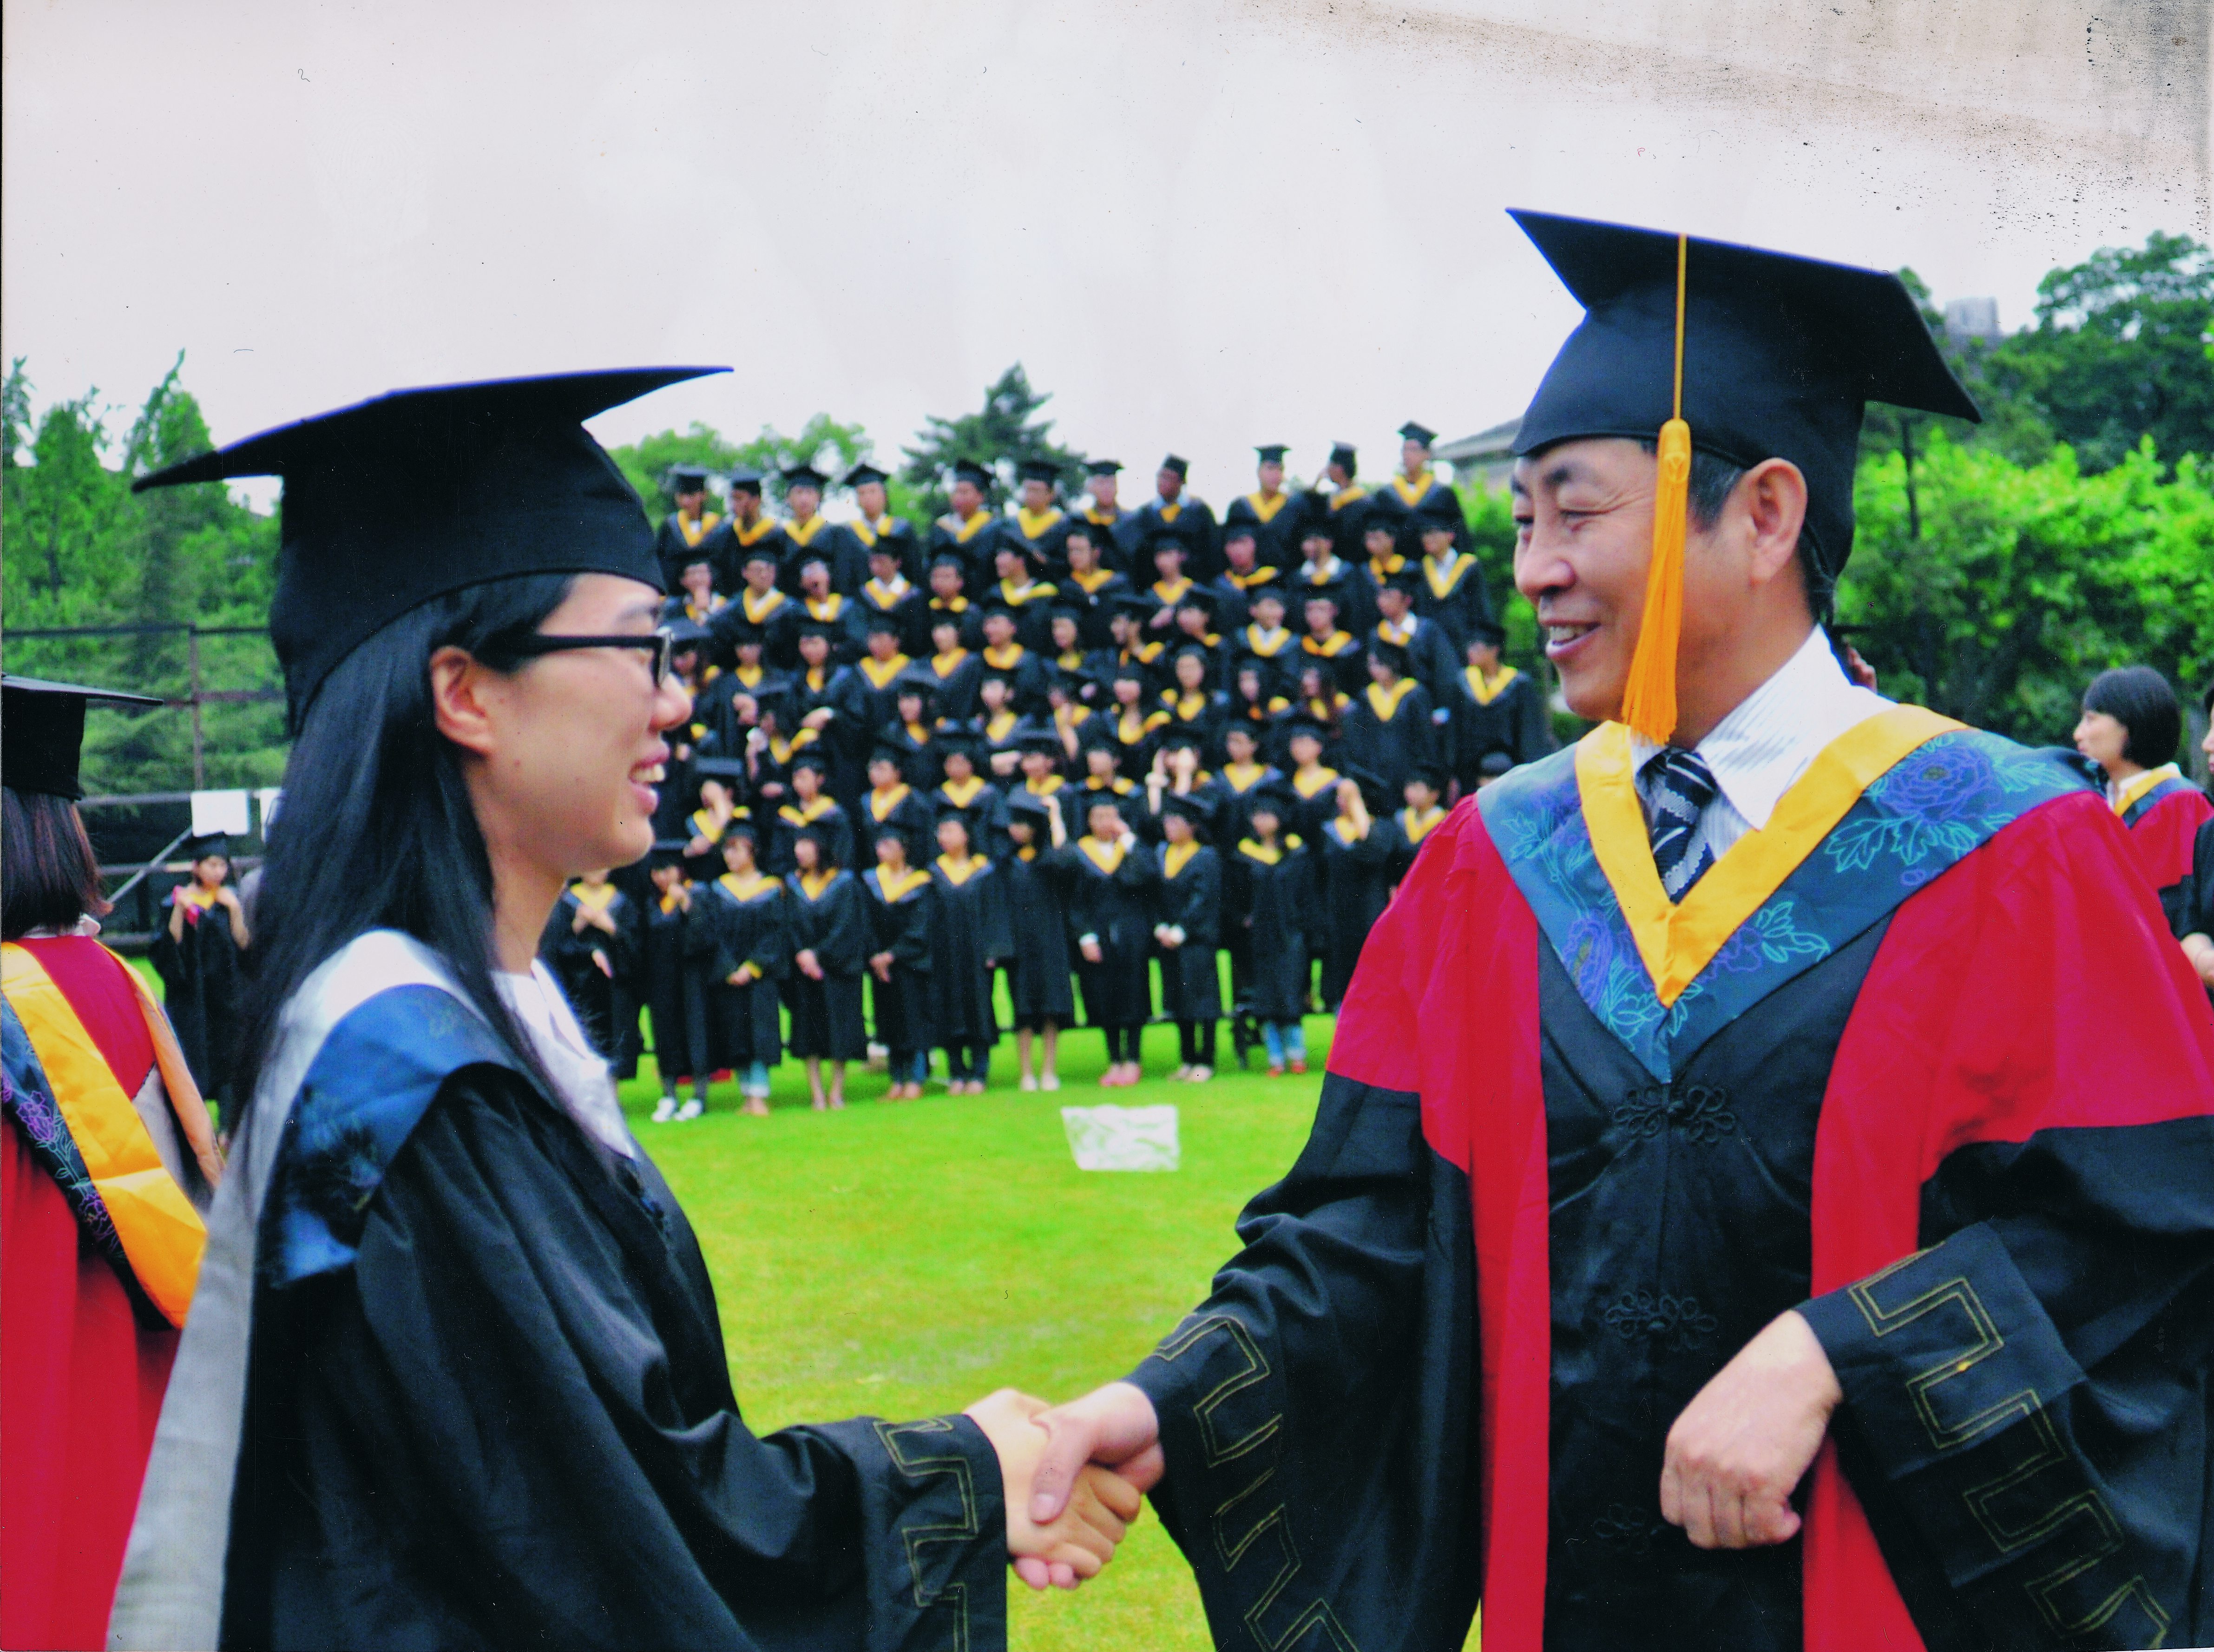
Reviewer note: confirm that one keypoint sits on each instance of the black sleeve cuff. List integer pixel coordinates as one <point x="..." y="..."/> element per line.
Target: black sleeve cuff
<point x="942" y="1512"/>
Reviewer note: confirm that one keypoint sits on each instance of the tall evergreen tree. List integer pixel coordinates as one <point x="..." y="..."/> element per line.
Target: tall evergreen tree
<point x="1002" y="436"/>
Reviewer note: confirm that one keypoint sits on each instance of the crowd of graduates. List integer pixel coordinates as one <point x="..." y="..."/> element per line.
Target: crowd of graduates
<point x="1075" y="745"/>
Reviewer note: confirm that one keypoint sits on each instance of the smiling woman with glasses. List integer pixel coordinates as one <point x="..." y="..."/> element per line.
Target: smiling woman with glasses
<point x="489" y="1403"/>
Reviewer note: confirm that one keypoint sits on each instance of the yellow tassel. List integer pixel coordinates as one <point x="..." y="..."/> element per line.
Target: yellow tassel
<point x="1648" y="696"/>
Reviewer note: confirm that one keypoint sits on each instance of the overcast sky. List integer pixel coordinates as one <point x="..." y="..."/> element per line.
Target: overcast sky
<point x="1200" y="226"/>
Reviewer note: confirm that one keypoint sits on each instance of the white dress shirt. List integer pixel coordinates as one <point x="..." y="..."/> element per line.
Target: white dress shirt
<point x="585" y="1088"/>
<point x="1767" y="742"/>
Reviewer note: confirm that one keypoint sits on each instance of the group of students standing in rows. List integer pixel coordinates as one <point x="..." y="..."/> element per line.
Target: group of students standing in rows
<point x="1074" y="748"/>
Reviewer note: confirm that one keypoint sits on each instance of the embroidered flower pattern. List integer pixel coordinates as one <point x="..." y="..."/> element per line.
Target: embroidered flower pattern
<point x="1678" y="1323"/>
<point x="1698" y="1112"/>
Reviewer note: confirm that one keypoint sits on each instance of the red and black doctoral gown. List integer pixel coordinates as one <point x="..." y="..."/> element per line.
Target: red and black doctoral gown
<point x="2164" y="819"/>
<point x="105" y="1162"/>
<point x="1917" y="1059"/>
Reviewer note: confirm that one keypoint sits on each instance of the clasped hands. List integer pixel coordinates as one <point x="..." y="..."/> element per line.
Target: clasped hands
<point x="1075" y="1474"/>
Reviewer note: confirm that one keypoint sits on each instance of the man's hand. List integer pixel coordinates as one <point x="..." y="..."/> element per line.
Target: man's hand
<point x="1072" y="1545"/>
<point x="1089" y="945"/>
<point x="1112" y="1427"/>
<point x="809" y="964"/>
<point x="1742" y="1444"/>
<point x="882" y="965"/>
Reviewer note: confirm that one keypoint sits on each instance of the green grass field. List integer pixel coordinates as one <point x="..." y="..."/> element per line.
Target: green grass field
<point x="903" y="1259"/>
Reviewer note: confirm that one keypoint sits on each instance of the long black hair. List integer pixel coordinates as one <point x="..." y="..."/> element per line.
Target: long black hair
<point x="377" y="830"/>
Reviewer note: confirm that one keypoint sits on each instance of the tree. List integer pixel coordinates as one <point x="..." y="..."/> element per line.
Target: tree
<point x="1002" y="437"/>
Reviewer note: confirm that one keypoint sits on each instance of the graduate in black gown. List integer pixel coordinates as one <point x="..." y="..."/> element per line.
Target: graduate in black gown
<point x="1037" y="872"/>
<point x="902" y="910"/>
<point x="1269" y="512"/>
<point x="591" y="943"/>
<point x="1735" y="1214"/>
<point x="1111" y="913"/>
<point x="454" y="1374"/>
<point x="676" y="541"/>
<point x="1388" y="728"/>
<point x="968" y="936"/>
<point x="676" y="960"/>
<point x="199" y="950"/>
<point x="1410" y="826"/>
<point x="744" y="910"/>
<point x="1271" y="896"/>
<point x="1496" y="709"/>
<point x="891" y="801"/>
<point x="1187" y="931"/>
<point x="1355" y="851"/>
<point x="829" y="930"/>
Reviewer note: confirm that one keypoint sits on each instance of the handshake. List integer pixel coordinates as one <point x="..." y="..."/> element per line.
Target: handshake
<point x="1074" y="1476"/>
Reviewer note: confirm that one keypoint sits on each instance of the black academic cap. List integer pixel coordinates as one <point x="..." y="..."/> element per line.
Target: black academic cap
<point x="1193" y="806"/>
<point x="879" y="621"/>
<point x="740" y="825"/>
<point x="810" y="757"/>
<point x="1391" y="653"/>
<point x="827" y="630"/>
<point x="1273" y="453"/>
<point x="687" y="635"/>
<point x="1039" y="470"/>
<point x="763" y="551"/>
<point x="1241" y="529"/>
<point x="1489" y="631"/>
<point x="804" y="476"/>
<point x="668" y="851"/>
<point x="1188" y="739"/>
<point x="207" y="843"/>
<point x="1024" y="801"/>
<point x="891" y="754"/>
<point x="1199" y="596"/>
<point x="968" y="470"/>
<point x="1303" y="722"/>
<point x="745" y="479"/>
<point x="917" y="679"/>
<point x="1344" y="454"/>
<point x="42" y="730"/>
<point x="1373" y="789"/>
<point x="1102" y="467"/>
<point x="1182" y="466"/>
<point x="1406" y="579"/>
<point x="1781" y="356"/>
<point x="1042" y="740"/>
<point x="394" y="501"/>
<point x="1410" y="432"/>
<point x="688" y="479"/>
<point x="957" y="736"/>
<point x="1269" y="589"/>
<point x="1135" y="604"/>
<point x="1495" y="764"/>
<point x="947" y="557"/>
<point x="1329" y="590"/>
<point x="949" y="810"/>
<point x="1272" y="795"/>
<point x="1162" y="538"/>
<point x="1430" y="775"/>
<point x="864" y="471"/>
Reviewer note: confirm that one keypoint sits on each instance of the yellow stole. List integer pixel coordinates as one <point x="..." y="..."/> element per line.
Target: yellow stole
<point x="962" y="793"/>
<point x="958" y="872"/>
<point x="909" y="881"/>
<point x="1385" y="702"/>
<point x="748" y="889"/>
<point x="1175" y="856"/>
<point x="812" y="884"/>
<point x="1487" y="689"/>
<point x="881" y="804"/>
<point x="1265" y="505"/>
<point x="1105" y="856"/>
<point x="880" y="672"/>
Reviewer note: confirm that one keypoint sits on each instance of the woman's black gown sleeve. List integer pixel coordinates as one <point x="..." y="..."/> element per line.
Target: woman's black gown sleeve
<point x="510" y="1423"/>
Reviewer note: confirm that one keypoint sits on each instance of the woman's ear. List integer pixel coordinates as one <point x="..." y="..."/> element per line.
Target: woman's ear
<point x="457" y="700"/>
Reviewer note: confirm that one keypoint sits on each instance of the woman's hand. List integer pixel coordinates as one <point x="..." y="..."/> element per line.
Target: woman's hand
<point x="810" y="965"/>
<point x="881" y="964"/>
<point x="1082" y="1538"/>
<point x="600" y="959"/>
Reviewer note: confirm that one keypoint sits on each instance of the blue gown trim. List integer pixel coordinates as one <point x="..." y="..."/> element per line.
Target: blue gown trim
<point x="364" y="1093"/>
<point x="2166" y="789"/>
<point x="1939" y="803"/>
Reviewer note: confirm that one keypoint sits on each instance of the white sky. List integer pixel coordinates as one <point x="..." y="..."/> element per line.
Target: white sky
<point x="1201" y="224"/>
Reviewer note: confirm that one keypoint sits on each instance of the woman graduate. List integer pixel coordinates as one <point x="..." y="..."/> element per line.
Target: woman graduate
<point x="968" y="937"/>
<point x="105" y="1164"/>
<point x="1269" y="895"/>
<point x="590" y="944"/>
<point x="1762" y="1196"/>
<point x="489" y="1401"/>
<point x="676" y="953"/>
<point x="196" y="954"/>
<point x="1037" y="872"/>
<point x="827" y="923"/>
<point x="744" y="915"/>
<point x="2132" y="727"/>
<point x="1111" y="910"/>
<point x="902" y="908"/>
<point x="1187" y="927"/>
<point x="1356" y="869"/>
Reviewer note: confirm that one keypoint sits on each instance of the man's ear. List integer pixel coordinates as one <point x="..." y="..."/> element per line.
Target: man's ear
<point x="457" y="700"/>
<point x="1773" y="495"/>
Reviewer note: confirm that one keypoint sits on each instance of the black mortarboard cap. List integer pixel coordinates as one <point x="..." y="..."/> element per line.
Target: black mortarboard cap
<point x="688" y="479"/>
<point x="864" y="471"/>
<point x="42" y="732"/>
<point x="1042" y="740"/>
<point x="761" y="551"/>
<point x="916" y="679"/>
<point x="1344" y="454"/>
<point x="1373" y="792"/>
<point x="804" y="476"/>
<point x="1102" y="467"/>
<point x="1024" y="801"/>
<point x="1241" y="529"/>
<point x="687" y="634"/>
<point x="394" y="501"/>
<point x="745" y="479"/>
<point x="1194" y="806"/>
<point x="1390" y="653"/>
<point x="879" y="621"/>
<point x="1039" y="470"/>
<point x="810" y="757"/>
<point x="1430" y="775"/>
<point x="668" y="851"/>
<point x="1273" y="453"/>
<point x="968" y="470"/>
<point x="1410" y="432"/>
<point x="1135" y="604"/>
<point x="891" y="754"/>
<point x="1182" y="466"/>
<point x="1781" y="356"/>
<point x="1489" y="631"/>
<point x="1495" y="764"/>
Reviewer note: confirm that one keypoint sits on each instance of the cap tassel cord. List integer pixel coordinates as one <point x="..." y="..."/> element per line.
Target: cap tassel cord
<point x="1649" y="697"/>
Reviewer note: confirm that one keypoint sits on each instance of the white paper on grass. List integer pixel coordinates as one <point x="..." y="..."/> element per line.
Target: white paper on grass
<point x="1121" y="1138"/>
<point x="219" y="811"/>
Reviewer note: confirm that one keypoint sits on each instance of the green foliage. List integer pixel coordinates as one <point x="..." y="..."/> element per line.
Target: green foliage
<point x="2025" y="581"/>
<point x="1002" y="437"/>
<point x="823" y="442"/>
<point x="83" y="550"/>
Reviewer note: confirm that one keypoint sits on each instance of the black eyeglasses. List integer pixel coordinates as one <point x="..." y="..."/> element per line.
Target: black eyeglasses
<point x="661" y="645"/>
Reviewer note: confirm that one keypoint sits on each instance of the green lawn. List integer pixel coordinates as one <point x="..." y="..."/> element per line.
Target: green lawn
<point x="903" y="1259"/>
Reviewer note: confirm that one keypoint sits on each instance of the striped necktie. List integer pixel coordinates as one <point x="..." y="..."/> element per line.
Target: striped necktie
<point x="1677" y="786"/>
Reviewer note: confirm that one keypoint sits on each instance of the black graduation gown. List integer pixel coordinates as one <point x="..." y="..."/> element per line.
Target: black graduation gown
<point x="1270" y="896"/>
<point x="600" y="999"/>
<point x="1314" y="800"/>
<point x="1191" y="520"/>
<point x="1190" y="897"/>
<point x="834" y="925"/>
<point x="902" y="922"/>
<point x="202" y="979"/>
<point x="908" y="608"/>
<point x="775" y="615"/>
<point x="1513" y="720"/>
<point x="824" y="816"/>
<point x="1456" y="598"/>
<point x="1129" y="802"/>
<point x="899" y="533"/>
<point x="675" y="548"/>
<point x="1405" y="842"/>
<point x="1433" y="660"/>
<point x="1391" y="747"/>
<point x="876" y="689"/>
<point x="974" y="540"/>
<point x="1093" y="603"/>
<point x="834" y="544"/>
<point x="956" y="680"/>
<point x="1356" y="892"/>
<point x="677" y="958"/>
<point x="967" y="931"/>
<point x="1037" y="889"/>
<point x="1276" y="525"/>
<point x="743" y="1021"/>
<point x="510" y="1423"/>
<point x="1114" y="904"/>
<point x="1343" y="660"/>
<point x="905" y="811"/>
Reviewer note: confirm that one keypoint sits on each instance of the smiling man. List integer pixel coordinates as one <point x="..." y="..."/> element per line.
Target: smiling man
<point x="1761" y="1194"/>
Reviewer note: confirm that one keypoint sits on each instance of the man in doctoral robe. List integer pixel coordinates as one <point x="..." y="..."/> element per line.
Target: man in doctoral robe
<point x="677" y="541"/>
<point x="1272" y="513"/>
<point x="1763" y="1192"/>
<point x="1174" y="510"/>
